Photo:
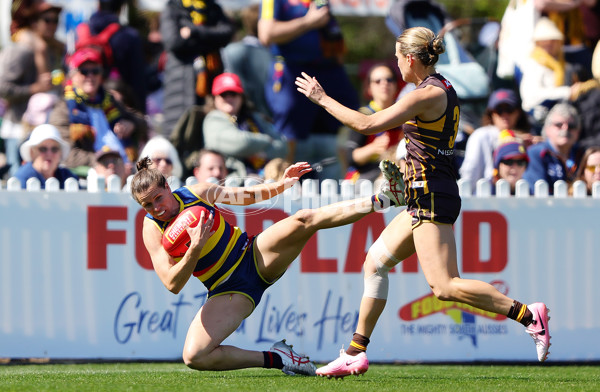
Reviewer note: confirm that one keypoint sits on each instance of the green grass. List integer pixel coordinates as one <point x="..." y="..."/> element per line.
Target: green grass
<point x="176" y="377"/>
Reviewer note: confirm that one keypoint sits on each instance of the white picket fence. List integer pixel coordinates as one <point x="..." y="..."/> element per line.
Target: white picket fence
<point x="342" y="189"/>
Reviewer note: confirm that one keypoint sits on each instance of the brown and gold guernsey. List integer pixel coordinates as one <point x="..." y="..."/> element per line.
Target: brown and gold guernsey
<point x="430" y="147"/>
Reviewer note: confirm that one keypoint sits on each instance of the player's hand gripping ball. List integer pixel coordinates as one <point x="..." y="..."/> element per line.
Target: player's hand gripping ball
<point x="176" y="239"/>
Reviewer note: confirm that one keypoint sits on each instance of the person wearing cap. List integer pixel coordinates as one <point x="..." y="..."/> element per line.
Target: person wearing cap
<point x="503" y="112"/>
<point x="510" y="159"/>
<point x="89" y="117"/>
<point x="234" y="130"/>
<point x="558" y="157"/>
<point x="43" y="153"/>
<point x="109" y="162"/>
<point x="127" y="48"/>
<point x="547" y="77"/>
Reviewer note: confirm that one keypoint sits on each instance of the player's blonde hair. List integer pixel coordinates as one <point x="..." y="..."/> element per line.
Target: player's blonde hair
<point x="422" y="43"/>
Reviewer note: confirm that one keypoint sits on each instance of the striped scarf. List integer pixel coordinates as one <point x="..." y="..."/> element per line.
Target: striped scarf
<point x="78" y="102"/>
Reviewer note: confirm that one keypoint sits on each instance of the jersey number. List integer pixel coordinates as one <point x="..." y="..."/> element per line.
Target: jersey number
<point x="456" y="116"/>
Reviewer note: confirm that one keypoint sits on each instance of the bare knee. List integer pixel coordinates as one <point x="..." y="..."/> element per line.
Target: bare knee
<point x="444" y="291"/>
<point x="196" y="359"/>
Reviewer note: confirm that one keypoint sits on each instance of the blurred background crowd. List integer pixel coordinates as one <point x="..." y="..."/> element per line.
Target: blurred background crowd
<point x="207" y="92"/>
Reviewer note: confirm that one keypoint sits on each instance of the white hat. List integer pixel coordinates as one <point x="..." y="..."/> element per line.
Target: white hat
<point x="545" y="29"/>
<point x="38" y="135"/>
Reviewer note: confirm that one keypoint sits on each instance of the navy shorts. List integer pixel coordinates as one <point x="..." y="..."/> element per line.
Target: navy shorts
<point x="434" y="207"/>
<point x="245" y="280"/>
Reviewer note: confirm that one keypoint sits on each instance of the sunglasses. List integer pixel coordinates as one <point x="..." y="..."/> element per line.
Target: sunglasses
<point x="561" y="124"/>
<point x="50" y="20"/>
<point x="592" y="168"/>
<point x="90" y="71"/>
<point x="168" y="161"/>
<point x="44" y="149"/>
<point x="229" y="94"/>
<point x="379" y="81"/>
<point x="505" y="109"/>
<point x="518" y="162"/>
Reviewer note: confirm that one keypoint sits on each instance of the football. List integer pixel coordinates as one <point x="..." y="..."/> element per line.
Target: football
<point x="176" y="239"/>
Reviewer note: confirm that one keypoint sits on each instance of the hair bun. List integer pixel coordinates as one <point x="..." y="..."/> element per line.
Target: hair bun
<point x="430" y="47"/>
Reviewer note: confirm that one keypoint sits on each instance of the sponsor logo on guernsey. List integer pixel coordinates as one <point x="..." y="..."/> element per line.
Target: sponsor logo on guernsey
<point x="418" y="184"/>
<point x="447" y="83"/>
<point x="180" y="225"/>
<point x="445" y="152"/>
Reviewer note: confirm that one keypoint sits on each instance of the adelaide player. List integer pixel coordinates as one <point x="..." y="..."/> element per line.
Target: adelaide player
<point x="235" y="268"/>
<point x="429" y="117"/>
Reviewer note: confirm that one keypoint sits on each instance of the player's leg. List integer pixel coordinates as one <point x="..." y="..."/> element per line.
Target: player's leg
<point x="219" y="318"/>
<point x="436" y="249"/>
<point x="281" y="243"/>
<point x="393" y="245"/>
<point x="215" y="321"/>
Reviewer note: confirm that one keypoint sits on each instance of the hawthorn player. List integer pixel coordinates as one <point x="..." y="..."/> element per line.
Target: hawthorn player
<point x="235" y="268"/>
<point x="429" y="116"/>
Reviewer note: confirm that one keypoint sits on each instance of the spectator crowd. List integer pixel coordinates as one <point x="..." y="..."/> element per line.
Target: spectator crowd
<point x="209" y="93"/>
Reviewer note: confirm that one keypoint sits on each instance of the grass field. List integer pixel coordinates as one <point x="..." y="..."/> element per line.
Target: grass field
<point x="177" y="377"/>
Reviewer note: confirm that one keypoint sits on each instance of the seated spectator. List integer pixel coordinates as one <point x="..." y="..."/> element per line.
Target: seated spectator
<point x="557" y="158"/>
<point x="547" y="78"/>
<point x="234" y="130"/>
<point x="42" y="154"/>
<point x="510" y="159"/>
<point x="22" y="73"/>
<point x="589" y="168"/>
<point x="364" y="152"/>
<point x="90" y="118"/>
<point x="109" y="162"/>
<point x="210" y="164"/>
<point x="164" y="157"/>
<point x="503" y="112"/>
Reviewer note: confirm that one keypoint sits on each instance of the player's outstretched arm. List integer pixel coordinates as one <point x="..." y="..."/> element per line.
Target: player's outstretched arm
<point x="253" y="194"/>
